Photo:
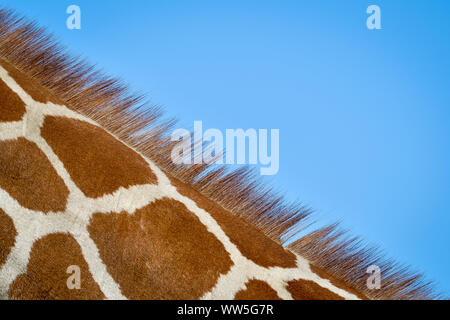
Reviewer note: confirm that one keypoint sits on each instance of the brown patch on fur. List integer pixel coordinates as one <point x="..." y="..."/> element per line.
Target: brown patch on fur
<point x="11" y="107"/>
<point x="27" y="175"/>
<point x="46" y="277"/>
<point x="309" y="290"/>
<point x="8" y="235"/>
<point x="257" y="290"/>
<point x="98" y="163"/>
<point x="252" y="243"/>
<point x="337" y="282"/>
<point x="36" y="91"/>
<point x="162" y="251"/>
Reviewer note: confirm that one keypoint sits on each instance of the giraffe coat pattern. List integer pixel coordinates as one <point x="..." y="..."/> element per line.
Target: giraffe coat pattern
<point x="98" y="230"/>
<point x="87" y="178"/>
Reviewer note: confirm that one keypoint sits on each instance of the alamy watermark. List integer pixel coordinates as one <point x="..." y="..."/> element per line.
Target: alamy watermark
<point x="235" y="146"/>
<point x="74" y="280"/>
<point x="374" y="280"/>
<point x="374" y="20"/>
<point x="73" y="22"/>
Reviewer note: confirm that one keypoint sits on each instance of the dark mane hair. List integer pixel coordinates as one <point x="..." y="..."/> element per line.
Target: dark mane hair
<point x="110" y="103"/>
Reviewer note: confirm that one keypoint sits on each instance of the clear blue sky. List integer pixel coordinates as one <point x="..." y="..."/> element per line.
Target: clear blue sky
<point x="364" y="116"/>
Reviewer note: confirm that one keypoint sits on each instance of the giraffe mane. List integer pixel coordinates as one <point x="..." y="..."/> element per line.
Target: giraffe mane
<point x="109" y="102"/>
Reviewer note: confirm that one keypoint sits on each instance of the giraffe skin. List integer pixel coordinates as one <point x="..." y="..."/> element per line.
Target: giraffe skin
<point x="142" y="235"/>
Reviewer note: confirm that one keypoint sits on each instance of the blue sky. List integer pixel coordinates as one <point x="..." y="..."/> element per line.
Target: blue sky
<point x="364" y="116"/>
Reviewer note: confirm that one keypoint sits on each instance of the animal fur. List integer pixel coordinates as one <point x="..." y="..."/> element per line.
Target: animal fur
<point x="109" y="102"/>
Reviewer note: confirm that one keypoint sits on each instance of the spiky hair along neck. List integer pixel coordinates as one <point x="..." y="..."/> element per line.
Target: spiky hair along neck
<point x="110" y="103"/>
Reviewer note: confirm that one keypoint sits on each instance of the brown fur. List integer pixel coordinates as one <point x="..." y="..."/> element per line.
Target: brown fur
<point x="107" y="101"/>
<point x="97" y="162"/>
<point x="38" y="93"/>
<point x="7" y="236"/>
<point x="347" y="258"/>
<point x="46" y="277"/>
<point x="11" y="107"/>
<point x="24" y="170"/>
<point x="257" y="290"/>
<point x="309" y="290"/>
<point x="162" y="251"/>
<point x="337" y="282"/>
<point x="251" y="242"/>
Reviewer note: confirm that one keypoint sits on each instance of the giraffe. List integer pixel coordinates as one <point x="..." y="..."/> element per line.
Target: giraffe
<point x="85" y="182"/>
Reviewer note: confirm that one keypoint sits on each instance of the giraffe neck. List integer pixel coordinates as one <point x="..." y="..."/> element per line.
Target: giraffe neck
<point x="72" y="194"/>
